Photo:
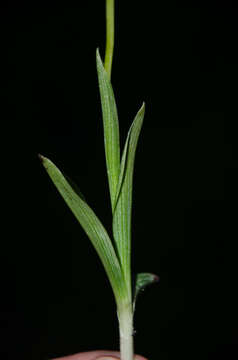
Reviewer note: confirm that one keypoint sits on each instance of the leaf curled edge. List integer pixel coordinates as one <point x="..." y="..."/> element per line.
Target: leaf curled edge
<point x="142" y="281"/>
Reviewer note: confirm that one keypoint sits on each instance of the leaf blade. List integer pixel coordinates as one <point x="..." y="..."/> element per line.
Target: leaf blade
<point x="122" y="213"/>
<point x="111" y="128"/>
<point x="91" y="225"/>
<point x="122" y="169"/>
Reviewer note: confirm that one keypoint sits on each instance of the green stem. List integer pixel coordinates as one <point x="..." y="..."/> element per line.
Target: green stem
<point x="109" y="36"/>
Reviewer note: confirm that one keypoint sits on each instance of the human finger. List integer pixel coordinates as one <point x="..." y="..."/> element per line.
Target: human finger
<point x="97" y="355"/>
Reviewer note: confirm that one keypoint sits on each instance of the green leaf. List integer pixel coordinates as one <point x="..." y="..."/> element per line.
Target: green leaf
<point x="92" y="226"/>
<point x="122" y="169"/>
<point x="111" y="128"/>
<point x="122" y="212"/>
<point x="142" y="281"/>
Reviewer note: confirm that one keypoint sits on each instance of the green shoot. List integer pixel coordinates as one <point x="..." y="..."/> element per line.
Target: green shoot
<point x="109" y="36"/>
<point x="115" y="254"/>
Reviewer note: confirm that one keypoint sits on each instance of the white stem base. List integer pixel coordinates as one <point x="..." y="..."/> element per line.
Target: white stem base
<point x="125" y="317"/>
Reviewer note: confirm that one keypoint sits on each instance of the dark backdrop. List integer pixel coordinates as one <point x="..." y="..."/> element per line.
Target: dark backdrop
<point x="180" y="58"/>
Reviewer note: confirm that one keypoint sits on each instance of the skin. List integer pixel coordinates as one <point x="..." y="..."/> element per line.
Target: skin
<point x="97" y="355"/>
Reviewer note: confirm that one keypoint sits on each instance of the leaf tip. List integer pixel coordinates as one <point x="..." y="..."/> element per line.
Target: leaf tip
<point x="41" y="157"/>
<point x="142" y="109"/>
<point x="98" y="56"/>
<point x="45" y="162"/>
<point x="156" y="278"/>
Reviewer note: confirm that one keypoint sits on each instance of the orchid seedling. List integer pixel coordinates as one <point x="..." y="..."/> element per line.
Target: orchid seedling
<point x="115" y="254"/>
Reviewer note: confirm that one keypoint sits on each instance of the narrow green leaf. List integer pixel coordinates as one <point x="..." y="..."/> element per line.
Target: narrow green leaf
<point x="111" y="128"/>
<point x="122" y="212"/>
<point x="92" y="226"/>
<point x="142" y="281"/>
<point x="122" y="168"/>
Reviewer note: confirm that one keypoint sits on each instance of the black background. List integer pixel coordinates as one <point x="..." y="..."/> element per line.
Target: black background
<point x="180" y="58"/>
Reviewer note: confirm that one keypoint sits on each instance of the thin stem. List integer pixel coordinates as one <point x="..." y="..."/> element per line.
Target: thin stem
<point x="109" y="36"/>
<point x="125" y="318"/>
